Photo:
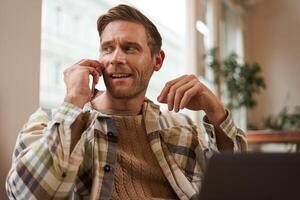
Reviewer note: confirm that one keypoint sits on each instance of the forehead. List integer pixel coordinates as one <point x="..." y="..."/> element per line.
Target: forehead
<point x="129" y="31"/>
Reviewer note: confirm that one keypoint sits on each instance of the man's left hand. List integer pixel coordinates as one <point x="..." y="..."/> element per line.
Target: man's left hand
<point x="188" y="92"/>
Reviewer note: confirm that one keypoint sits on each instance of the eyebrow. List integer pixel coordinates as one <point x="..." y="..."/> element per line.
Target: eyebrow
<point x="123" y="43"/>
<point x="106" y="43"/>
<point x="135" y="44"/>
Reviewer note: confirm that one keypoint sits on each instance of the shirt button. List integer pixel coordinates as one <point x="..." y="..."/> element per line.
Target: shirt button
<point x="107" y="168"/>
<point x="64" y="174"/>
<point x="110" y="134"/>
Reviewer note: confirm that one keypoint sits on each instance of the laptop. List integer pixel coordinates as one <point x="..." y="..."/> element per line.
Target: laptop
<point x="255" y="176"/>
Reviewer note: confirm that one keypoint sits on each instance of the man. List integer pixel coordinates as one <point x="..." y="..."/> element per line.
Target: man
<point x="117" y="144"/>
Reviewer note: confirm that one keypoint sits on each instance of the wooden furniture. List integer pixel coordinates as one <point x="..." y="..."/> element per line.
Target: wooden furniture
<point x="268" y="136"/>
<point x="258" y="138"/>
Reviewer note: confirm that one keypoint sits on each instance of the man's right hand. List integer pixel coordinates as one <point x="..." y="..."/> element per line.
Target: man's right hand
<point x="76" y="79"/>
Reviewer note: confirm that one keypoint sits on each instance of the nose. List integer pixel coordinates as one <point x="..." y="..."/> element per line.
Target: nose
<point x="118" y="57"/>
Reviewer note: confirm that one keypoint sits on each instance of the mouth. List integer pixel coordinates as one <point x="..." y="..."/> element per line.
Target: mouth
<point x="120" y="75"/>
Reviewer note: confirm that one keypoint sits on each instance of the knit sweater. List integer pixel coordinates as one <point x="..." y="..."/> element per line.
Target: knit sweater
<point x="137" y="172"/>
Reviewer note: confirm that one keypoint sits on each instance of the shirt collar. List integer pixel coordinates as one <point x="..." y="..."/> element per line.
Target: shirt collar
<point x="150" y="110"/>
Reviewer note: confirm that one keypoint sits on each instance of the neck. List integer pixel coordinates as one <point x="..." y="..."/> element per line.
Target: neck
<point x="119" y="105"/>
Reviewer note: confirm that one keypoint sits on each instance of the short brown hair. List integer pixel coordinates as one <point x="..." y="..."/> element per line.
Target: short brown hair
<point x="128" y="13"/>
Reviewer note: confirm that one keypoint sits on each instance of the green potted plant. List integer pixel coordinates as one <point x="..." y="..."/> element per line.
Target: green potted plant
<point x="284" y="120"/>
<point x="242" y="80"/>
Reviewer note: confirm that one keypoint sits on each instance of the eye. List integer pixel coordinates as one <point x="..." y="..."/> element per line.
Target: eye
<point x="130" y="49"/>
<point x="107" y="49"/>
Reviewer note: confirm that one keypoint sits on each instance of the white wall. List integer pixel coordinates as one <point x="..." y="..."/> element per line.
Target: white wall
<point x="273" y="40"/>
<point x="20" y="27"/>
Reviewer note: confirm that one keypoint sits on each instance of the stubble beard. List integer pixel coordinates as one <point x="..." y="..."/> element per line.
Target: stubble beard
<point x="136" y="89"/>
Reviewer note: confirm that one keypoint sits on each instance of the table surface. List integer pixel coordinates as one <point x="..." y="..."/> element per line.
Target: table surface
<point x="269" y="136"/>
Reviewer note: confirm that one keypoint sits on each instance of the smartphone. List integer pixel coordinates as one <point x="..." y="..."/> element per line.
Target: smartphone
<point x="92" y="85"/>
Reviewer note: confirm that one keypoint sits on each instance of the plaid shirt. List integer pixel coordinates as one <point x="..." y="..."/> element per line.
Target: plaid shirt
<point x="44" y="168"/>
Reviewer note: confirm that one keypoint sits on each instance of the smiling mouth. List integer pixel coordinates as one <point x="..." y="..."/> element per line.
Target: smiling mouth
<point x="116" y="76"/>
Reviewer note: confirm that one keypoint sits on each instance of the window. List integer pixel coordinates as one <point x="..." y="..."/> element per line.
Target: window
<point x="232" y="42"/>
<point x="224" y="24"/>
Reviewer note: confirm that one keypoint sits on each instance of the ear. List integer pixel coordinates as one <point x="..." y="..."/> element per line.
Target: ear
<point x="159" y="59"/>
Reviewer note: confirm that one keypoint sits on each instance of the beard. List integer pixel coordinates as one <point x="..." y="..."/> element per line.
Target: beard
<point x="137" y="85"/>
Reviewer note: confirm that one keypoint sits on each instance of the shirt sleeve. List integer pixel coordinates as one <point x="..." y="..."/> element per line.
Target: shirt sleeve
<point x="43" y="166"/>
<point x="236" y="135"/>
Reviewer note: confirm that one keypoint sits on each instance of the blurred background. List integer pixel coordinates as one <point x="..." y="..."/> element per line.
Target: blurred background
<point x="245" y="51"/>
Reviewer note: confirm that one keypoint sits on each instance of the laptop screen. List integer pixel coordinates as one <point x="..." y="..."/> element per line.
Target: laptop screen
<point x="254" y="176"/>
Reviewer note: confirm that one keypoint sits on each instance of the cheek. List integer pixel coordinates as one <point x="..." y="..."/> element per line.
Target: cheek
<point x="105" y="59"/>
<point x="146" y="72"/>
<point x="105" y="62"/>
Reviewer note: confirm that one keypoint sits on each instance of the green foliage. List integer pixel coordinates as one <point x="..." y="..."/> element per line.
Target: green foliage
<point x="284" y="120"/>
<point x="215" y="64"/>
<point x="242" y="80"/>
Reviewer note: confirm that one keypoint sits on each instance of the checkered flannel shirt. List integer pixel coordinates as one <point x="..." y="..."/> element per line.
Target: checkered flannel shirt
<point x="44" y="168"/>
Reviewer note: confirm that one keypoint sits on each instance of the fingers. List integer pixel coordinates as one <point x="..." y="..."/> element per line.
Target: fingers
<point x="163" y="97"/>
<point x="77" y="81"/>
<point x="189" y="94"/>
<point x="94" y="73"/>
<point x="91" y="63"/>
<point x="84" y="70"/>
<point x="181" y="92"/>
<point x="178" y="92"/>
<point x="94" y="68"/>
